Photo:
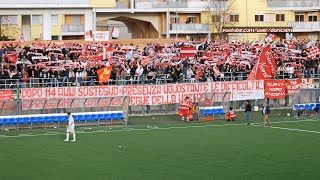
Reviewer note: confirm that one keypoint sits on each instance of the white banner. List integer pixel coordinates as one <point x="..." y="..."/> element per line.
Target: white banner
<point x="152" y="94"/>
<point x="102" y="35"/>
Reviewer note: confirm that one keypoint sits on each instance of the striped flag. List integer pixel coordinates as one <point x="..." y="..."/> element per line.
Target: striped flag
<point x="146" y="61"/>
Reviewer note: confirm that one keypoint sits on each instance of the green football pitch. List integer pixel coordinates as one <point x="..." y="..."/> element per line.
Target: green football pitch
<point x="161" y="147"/>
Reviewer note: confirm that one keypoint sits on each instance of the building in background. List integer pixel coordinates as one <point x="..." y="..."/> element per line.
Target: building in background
<point x="48" y="19"/>
<point x="70" y="20"/>
<point x="304" y="16"/>
<point x="146" y="19"/>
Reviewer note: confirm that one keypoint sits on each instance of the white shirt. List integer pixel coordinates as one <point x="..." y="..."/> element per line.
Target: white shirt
<point x="71" y="121"/>
<point x="264" y="110"/>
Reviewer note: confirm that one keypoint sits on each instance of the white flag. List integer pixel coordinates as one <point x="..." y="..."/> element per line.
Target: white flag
<point x="115" y="33"/>
<point x="21" y="38"/>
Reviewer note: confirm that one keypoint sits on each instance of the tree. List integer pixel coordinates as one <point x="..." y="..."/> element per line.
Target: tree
<point x="219" y="15"/>
<point x="7" y="30"/>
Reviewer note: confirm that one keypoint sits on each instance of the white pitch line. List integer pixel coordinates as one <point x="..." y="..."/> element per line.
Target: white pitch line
<point x="277" y="122"/>
<point x="300" y="130"/>
<point x="289" y="129"/>
<point x="164" y="128"/>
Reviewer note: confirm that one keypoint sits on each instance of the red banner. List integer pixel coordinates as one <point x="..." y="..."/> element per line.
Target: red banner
<point x="188" y="52"/>
<point x="6" y="94"/>
<point x="265" y="68"/>
<point x="275" y="89"/>
<point x="294" y="84"/>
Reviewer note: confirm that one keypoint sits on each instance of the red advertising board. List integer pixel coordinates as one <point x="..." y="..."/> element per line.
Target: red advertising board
<point x="275" y="89"/>
<point x="6" y="94"/>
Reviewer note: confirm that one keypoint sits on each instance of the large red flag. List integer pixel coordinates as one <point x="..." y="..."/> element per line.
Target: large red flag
<point x="266" y="67"/>
<point x="104" y="74"/>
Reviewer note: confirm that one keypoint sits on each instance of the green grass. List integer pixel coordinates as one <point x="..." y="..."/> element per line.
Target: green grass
<point x="201" y="152"/>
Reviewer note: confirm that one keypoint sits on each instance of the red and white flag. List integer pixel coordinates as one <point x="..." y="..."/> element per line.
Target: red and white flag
<point x="313" y="52"/>
<point x="88" y="35"/>
<point x="266" y="67"/>
<point x="146" y="61"/>
<point x="115" y="33"/>
<point x="270" y="38"/>
<point x="21" y="38"/>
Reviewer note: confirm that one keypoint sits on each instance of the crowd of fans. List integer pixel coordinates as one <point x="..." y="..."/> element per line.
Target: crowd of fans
<point x="74" y="64"/>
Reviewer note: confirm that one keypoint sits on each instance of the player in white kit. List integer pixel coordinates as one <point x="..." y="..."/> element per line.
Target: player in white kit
<point x="70" y="128"/>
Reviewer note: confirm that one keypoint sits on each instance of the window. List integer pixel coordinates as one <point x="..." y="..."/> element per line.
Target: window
<point x="234" y="18"/>
<point x="312" y="16"/>
<point x="174" y="20"/>
<point x="9" y="20"/>
<point x="191" y="19"/>
<point x="36" y="20"/>
<point x="55" y="37"/>
<point x="259" y="18"/>
<point x="280" y="17"/>
<point x="54" y="20"/>
<point x="76" y="19"/>
<point x="216" y="18"/>
<point x="299" y="17"/>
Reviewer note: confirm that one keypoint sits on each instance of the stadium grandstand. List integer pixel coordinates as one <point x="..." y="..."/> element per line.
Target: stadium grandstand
<point x="76" y="64"/>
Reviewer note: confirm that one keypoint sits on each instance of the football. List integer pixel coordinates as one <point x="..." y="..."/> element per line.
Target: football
<point x="288" y="114"/>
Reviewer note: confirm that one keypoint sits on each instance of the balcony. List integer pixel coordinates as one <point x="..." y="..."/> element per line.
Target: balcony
<point x="294" y="4"/>
<point x="189" y="28"/>
<point x="305" y="26"/>
<point x="67" y="30"/>
<point x="44" y="4"/>
<point x="181" y="4"/>
<point x="123" y="5"/>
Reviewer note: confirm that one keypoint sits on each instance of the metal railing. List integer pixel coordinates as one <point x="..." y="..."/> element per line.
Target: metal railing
<point x="190" y="27"/>
<point x="293" y="3"/>
<point x="52" y="106"/>
<point x="141" y="4"/>
<point x="129" y="80"/>
<point x="72" y="28"/>
<point x="123" y="5"/>
<point x="308" y="26"/>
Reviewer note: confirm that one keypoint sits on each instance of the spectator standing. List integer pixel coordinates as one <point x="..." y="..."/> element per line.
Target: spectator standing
<point x="248" y="111"/>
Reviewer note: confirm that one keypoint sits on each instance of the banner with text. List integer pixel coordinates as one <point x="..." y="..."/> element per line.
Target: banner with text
<point x="295" y="84"/>
<point x="6" y="94"/>
<point x="275" y="89"/>
<point x="152" y="94"/>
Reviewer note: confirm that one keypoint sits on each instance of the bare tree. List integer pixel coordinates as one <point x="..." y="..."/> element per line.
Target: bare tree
<point x="219" y="15"/>
<point x="7" y="30"/>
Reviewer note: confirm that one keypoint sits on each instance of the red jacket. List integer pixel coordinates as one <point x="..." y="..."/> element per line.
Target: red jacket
<point x="184" y="105"/>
